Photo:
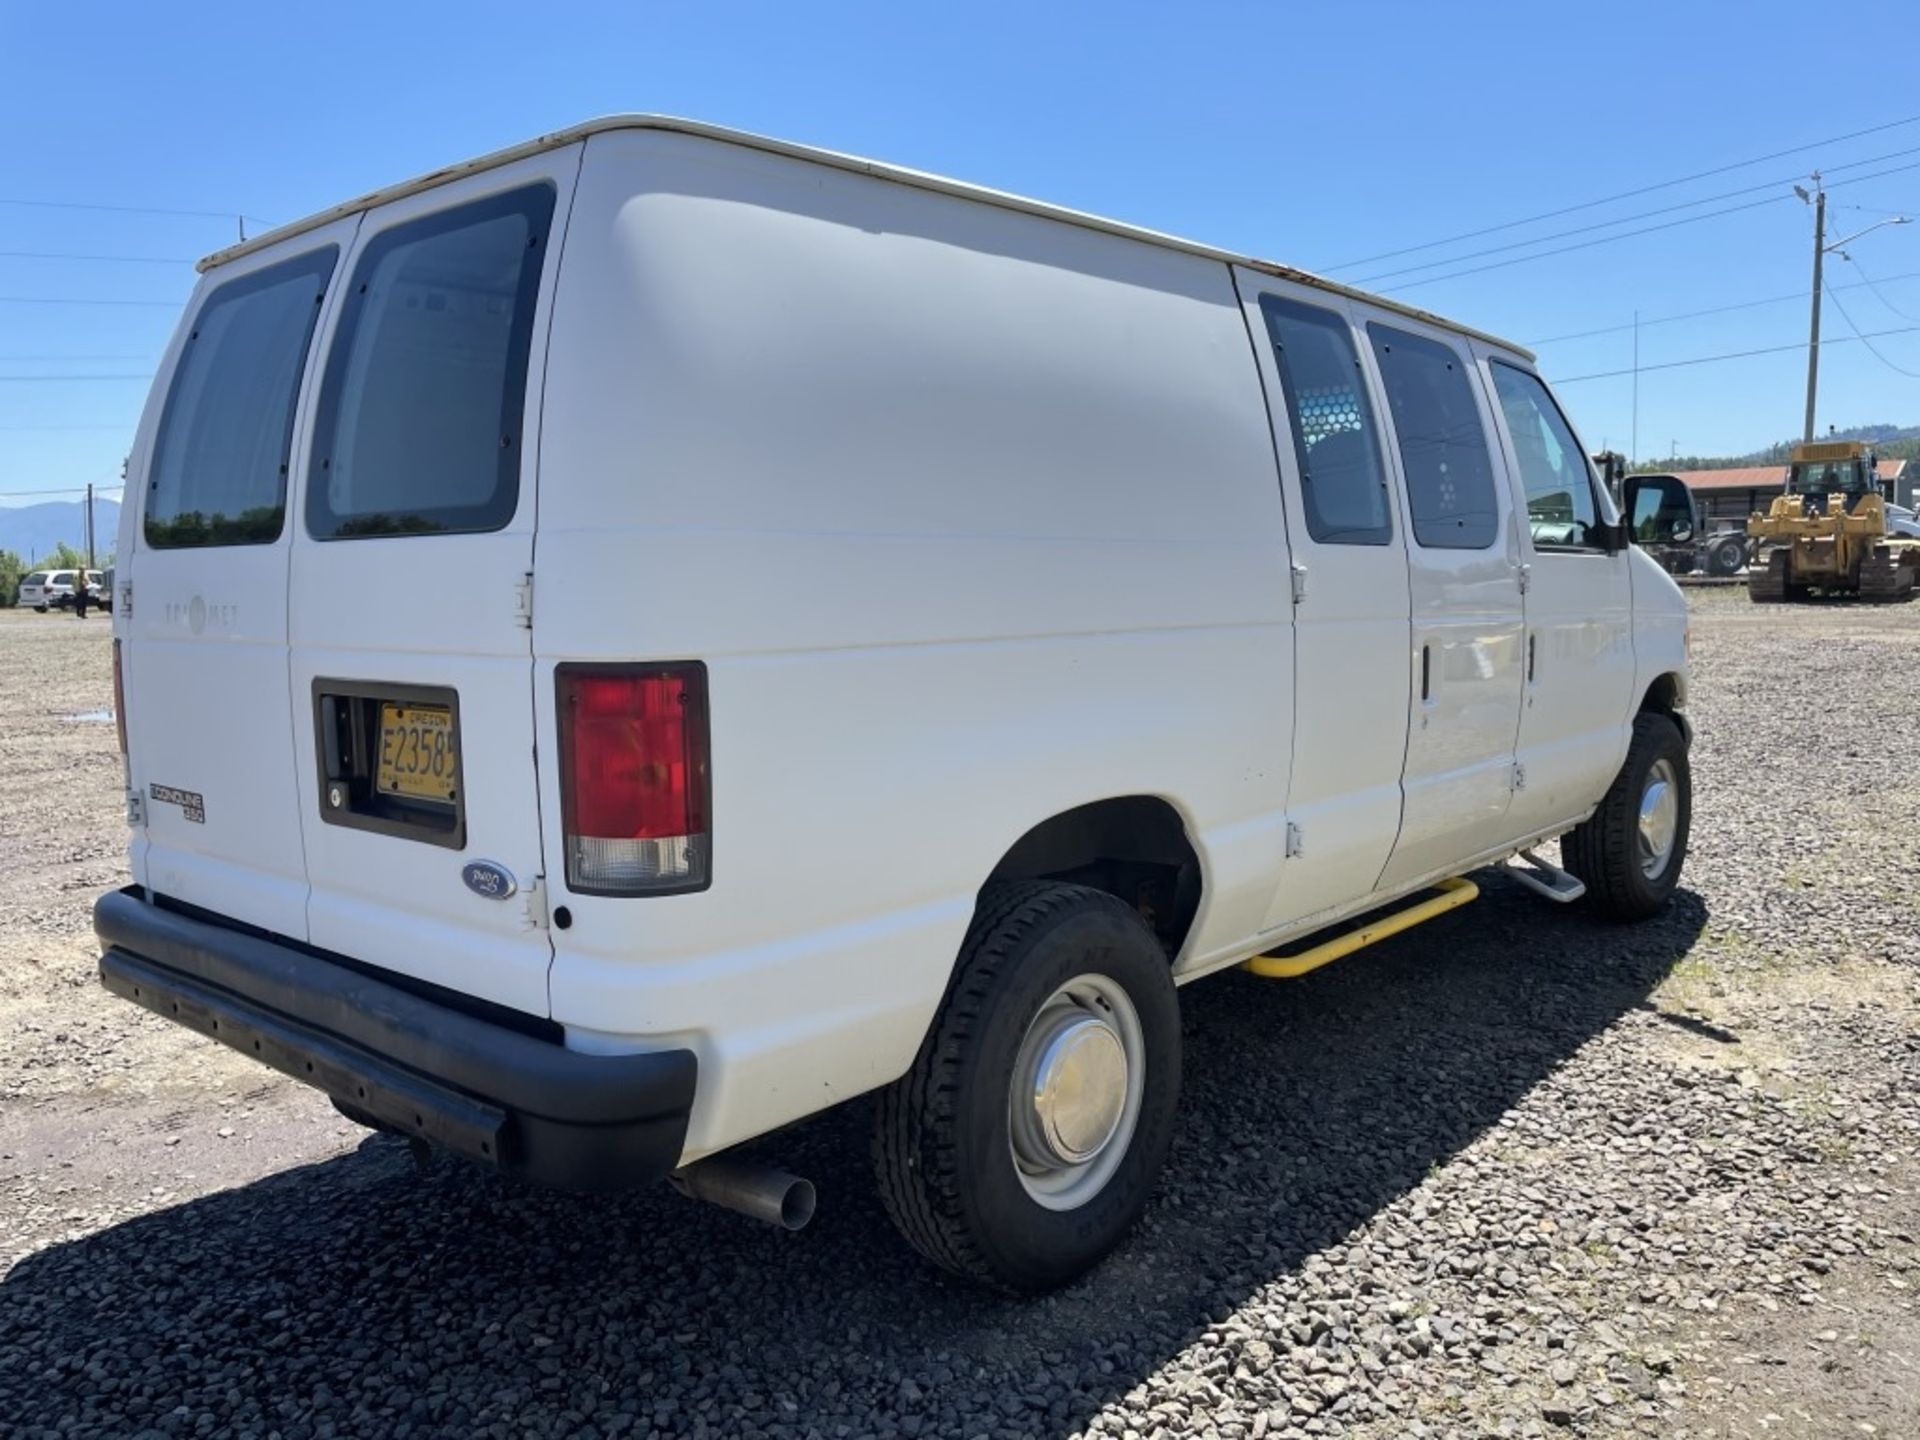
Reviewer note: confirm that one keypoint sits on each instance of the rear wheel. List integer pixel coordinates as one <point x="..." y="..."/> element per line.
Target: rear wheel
<point x="1029" y="1134"/>
<point x="1629" y="852"/>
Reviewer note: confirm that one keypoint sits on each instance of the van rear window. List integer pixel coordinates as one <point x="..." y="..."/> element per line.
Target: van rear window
<point x="1343" y="480"/>
<point x="219" y="471"/>
<point x="418" y="429"/>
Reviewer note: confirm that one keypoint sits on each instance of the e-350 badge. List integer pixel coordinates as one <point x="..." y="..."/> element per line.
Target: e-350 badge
<point x="190" y="802"/>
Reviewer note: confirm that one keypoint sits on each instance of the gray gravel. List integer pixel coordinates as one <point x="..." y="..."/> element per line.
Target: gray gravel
<point x="1513" y="1174"/>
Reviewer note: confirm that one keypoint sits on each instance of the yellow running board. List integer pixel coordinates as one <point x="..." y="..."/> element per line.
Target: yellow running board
<point x="1453" y="894"/>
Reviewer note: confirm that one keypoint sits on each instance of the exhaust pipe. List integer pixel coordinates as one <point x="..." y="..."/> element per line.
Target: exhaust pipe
<point x="756" y="1190"/>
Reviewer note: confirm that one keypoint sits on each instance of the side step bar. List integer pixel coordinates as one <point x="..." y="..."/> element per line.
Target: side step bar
<point x="1453" y="894"/>
<point x="1547" y="879"/>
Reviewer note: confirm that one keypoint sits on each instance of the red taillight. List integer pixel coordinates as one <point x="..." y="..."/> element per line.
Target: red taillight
<point x="634" y="782"/>
<point x="119" y="701"/>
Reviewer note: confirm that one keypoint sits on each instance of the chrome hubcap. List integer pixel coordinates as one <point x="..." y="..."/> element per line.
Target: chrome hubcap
<point x="1659" y="819"/>
<point x="1077" y="1085"/>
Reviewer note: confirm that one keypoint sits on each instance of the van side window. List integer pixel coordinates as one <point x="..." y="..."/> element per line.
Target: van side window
<point x="1342" y="480"/>
<point x="1559" y="483"/>
<point x="418" y="427"/>
<point x="219" y="471"/>
<point x="1443" y="445"/>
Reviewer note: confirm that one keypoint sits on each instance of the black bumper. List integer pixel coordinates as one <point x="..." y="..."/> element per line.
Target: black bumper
<point x="494" y="1094"/>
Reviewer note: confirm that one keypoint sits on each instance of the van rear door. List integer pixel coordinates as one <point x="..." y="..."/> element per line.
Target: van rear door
<point x="210" y="733"/>
<point x="411" y="598"/>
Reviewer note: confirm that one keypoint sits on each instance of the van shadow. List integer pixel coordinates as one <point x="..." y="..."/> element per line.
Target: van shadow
<point x="356" y="1296"/>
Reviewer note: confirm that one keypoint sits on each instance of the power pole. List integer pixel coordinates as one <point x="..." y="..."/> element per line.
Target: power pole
<point x="1633" y="445"/>
<point x="89" y="527"/>
<point x="1813" y="333"/>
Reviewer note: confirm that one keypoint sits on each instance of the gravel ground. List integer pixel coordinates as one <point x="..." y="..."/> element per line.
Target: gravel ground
<point x="1510" y="1174"/>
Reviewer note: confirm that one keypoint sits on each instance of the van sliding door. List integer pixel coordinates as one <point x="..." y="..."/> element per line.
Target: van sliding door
<point x="1467" y="657"/>
<point x="1350" y="623"/>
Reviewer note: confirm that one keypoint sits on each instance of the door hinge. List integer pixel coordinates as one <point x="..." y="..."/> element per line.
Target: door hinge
<point x="1525" y="576"/>
<point x="1299" y="582"/>
<point x="1296" y="840"/>
<point x="1519" y="777"/>
<point x="523" y="601"/>
<point x="136" y="809"/>
<point x="534" y="903"/>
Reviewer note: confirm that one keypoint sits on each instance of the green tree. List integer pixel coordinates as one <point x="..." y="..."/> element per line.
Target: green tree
<point x="63" y="557"/>
<point x="12" y="569"/>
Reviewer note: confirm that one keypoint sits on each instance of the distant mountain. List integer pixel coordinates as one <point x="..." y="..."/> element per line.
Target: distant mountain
<point x="1890" y="442"/>
<point x="32" y="530"/>
<point x="1881" y="437"/>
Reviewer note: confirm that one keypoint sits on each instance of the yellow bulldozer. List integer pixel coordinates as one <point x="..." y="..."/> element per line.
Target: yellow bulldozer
<point x="1827" y="533"/>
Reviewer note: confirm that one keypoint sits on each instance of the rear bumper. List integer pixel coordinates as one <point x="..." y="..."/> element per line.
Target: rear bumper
<point x="496" y="1095"/>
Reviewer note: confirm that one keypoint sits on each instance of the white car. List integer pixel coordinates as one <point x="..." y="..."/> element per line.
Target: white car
<point x="53" y="589"/>
<point x="1022" y="616"/>
<point x="1903" y="521"/>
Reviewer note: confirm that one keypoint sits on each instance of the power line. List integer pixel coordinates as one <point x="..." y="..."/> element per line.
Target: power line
<point x="60" y="379"/>
<point x="1630" y="234"/>
<point x="62" y="490"/>
<point x="109" y="259"/>
<point x="1587" y="244"/>
<point x="122" y="425"/>
<point x="132" y="209"/>
<point x="1623" y="195"/>
<point x="1714" y="310"/>
<point x="1732" y="355"/>
<point x="1867" y="280"/>
<point x="1872" y="349"/>
<point x="1625" y="219"/>
<point x="69" y="300"/>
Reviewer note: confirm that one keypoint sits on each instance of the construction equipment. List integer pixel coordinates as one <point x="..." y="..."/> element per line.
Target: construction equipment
<point x="1827" y="532"/>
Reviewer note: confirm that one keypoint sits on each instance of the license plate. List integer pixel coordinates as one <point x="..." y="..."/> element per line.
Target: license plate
<point x="419" y="752"/>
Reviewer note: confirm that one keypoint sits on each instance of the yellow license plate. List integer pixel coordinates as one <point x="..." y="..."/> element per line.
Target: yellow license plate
<point x="419" y="753"/>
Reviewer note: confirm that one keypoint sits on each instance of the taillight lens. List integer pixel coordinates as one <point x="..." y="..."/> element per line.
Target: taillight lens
<point x="119" y="701"/>
<point x="634" y="778"/>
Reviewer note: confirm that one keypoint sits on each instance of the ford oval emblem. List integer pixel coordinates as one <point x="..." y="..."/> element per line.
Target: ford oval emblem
<point x="484" y="877"/>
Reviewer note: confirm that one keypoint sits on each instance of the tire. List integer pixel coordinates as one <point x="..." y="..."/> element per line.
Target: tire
<point x="945" y="1133"/>
<point x="1725" y="555"/>
<point x="1607" y="852"/>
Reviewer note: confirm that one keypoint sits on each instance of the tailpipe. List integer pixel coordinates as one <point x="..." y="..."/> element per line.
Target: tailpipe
<point x="756" y="1190"/>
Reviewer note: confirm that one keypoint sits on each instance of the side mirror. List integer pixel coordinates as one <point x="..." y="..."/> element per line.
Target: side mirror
<point x="1658" y="508"/>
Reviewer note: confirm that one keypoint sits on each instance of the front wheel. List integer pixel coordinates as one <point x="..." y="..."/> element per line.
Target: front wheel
<point x="1026" y="1139"/>
<point x="1630" y="850"/>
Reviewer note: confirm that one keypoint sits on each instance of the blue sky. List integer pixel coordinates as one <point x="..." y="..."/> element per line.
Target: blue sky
<point x="1314" y="134"/>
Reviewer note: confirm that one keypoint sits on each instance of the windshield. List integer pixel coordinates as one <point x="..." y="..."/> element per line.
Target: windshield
<point x="1845" y="476"/>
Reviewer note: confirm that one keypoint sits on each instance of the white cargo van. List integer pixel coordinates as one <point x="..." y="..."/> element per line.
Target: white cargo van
<point x="641" y="638"/>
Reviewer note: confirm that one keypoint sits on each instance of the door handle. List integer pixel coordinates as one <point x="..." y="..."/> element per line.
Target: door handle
<point x="1530" y="640"/>
<point x="1426" y="673"/>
